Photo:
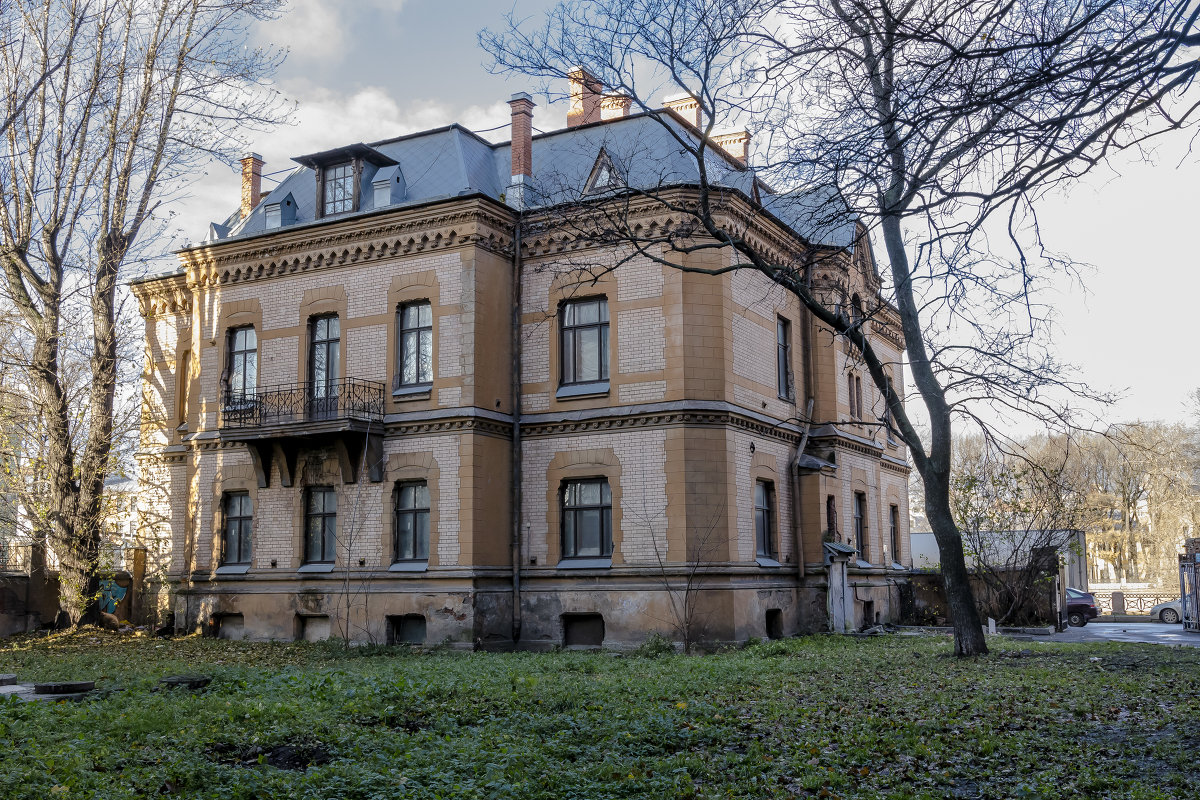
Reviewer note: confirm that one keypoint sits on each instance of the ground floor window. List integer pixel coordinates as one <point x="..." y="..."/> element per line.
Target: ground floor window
<point x="320" y="525"/>
<point x="764" y="518"/>
<point x="411" y="538"/>
<point x="587" y="519"/>
<point x="239" y="520"/>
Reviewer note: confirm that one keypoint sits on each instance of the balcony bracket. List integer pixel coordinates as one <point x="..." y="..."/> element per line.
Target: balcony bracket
<point x="355" y="450"/>
<point x="260" y="454"/>
<point x="285" y="453"/>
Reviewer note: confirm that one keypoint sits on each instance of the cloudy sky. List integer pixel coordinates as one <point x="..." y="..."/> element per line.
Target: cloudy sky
<point x="371" y="69"/>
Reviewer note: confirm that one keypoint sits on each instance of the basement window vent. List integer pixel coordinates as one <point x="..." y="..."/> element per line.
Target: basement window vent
<point x="774" y="623"/>
<point x="583" y="630"/>
<point x="312" y="629"/>
<point x="406" y="629"/>
<point x="231" y="626"/>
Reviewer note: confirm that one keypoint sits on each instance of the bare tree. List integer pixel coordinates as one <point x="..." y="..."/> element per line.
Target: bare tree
<point x="934" y="125"/>
<point x="148" y="91"/>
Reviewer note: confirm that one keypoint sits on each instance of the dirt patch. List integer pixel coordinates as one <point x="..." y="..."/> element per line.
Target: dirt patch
<point x="291" y="755"/>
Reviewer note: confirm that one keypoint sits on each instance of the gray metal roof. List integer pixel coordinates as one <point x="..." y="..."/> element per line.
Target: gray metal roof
<point x="452" y="161"/>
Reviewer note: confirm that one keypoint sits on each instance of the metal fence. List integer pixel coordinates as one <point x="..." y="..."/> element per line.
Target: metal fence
<point x="1132" y="601"/>
<point x="348" y="398"/>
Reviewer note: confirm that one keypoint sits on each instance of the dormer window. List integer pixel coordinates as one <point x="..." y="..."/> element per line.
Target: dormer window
<point x="339" y="189"/>
<point x="604" y="175"/>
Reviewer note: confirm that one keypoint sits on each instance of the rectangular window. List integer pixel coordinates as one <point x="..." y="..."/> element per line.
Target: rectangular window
<point x="587" y="519"/>
<point x="860" y="525"/>
<point x="850" y="392"/>
<point x="764" y="518"/>
<point x="584" y="326"/>
<point x="324" y="354"/>
<point x="858" y="403"/>
<point x="411" y="525"/>
<point x="243" y="365"/>
<point x="894" y="517"/>
<point x="320" y="525"/>
<point x="339" y="189"/>
<point x="783" y="358"/>
<point x="415" y="345"/>
<point x="239" y="519"/>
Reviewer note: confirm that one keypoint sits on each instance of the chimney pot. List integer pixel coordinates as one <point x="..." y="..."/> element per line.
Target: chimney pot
<point x="686" y="107"/>
<point x="586" y="95"/>
<point x="252" y="164"/>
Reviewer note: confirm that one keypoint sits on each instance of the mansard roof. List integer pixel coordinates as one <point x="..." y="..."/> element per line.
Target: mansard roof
<point x="452" y="161"/>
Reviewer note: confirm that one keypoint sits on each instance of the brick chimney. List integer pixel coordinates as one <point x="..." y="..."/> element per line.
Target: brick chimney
<point x="522" y="149"/>
<point x="736" y="144"/>
<point x="615" y="106"/>
<point x="586" y="94"/>
<point x="686" y="107"/>
<point x="252" y="164"/>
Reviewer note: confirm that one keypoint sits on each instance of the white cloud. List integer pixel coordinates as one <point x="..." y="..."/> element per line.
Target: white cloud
<point x="318" y="30"/>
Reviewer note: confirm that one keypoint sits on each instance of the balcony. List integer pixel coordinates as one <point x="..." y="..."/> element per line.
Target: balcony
<point x="276" y="422"/>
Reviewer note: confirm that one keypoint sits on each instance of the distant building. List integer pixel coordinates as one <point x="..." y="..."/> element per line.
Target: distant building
<point x="340" y="415"/>
<point x="1073" y="551"/>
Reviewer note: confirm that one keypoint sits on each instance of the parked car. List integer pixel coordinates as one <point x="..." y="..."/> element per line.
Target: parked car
<point x="1170" y="613"/>
<point x="1081" y="607"/>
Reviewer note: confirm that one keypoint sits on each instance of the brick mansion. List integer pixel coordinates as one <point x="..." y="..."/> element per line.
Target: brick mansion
<point x="398" y="398"/>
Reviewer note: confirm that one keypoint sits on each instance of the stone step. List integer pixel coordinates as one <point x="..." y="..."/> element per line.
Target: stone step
<point x="7" y="679"/>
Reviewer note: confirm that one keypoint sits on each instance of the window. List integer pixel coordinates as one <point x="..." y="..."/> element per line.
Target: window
<point x="587" y="519"/>
<point x="783" y="357"/>
<point x="320" y="525"/>
<point x="323" y="356"/>
<point x="338" y="189"/>
<point x="584" y="341"/>
<point x="831" y="513"/>
<point x="415" y="345"/>
<point x="850" y="392"/>
<point x="764" y="519"/>
<point x="239" y="520"/>
<point x="894" y="518"/>
<point x="889" y="421"/>
<point x="243" y="365"/>
<point x="858" y="403"/>
<point x="856" y="310"/>
<point x="410" y="537"/>
<point x="860" y="525"/>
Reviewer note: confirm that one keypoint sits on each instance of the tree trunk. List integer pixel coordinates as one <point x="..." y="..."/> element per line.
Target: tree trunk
<point x="968" y="631"/>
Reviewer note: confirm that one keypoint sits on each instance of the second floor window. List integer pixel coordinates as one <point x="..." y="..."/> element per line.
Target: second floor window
<point x="764" y="519"/>
<point x="894" y="514"/>
<point x="243" y="363"/>
<point x="320" y="525"/>
<point x="239" y="519"/>
<point x="324" y="354"/>
<point x="584" y="326"/>
<point x="783" y="357"/>
<point x="587" y="519"/>
<point x="415" y="345"/>
<point x="860" y="524"/>
<point x="411" y="539"/>
<point x="339" y="189"/>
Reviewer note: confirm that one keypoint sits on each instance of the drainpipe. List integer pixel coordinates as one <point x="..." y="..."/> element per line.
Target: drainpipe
<point x="515" y="499"/>
<point x="806" y="354"/>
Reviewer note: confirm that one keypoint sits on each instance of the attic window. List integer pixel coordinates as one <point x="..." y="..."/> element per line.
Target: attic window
<point x="604" y="175"/>
<point x="338" y="188"/>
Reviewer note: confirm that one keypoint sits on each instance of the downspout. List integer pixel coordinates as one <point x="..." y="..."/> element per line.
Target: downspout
<point x="806" y="354"/>
<point x="515" y="401"/>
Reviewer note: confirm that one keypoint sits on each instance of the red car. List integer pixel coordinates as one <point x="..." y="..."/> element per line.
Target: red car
<point x="1081" y="607"/>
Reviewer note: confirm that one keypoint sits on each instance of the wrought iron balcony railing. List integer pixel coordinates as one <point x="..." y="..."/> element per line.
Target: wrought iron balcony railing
<point x="290" y="403"/>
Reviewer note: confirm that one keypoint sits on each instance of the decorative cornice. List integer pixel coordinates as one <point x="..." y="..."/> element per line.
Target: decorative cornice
<point x="469" y="222"/>
<point x="162" y="297"/>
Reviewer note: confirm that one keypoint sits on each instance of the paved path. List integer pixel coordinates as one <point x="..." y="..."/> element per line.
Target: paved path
<point x="1148" y="632"/>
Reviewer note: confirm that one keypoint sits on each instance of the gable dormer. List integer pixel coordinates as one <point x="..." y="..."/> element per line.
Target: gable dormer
<point x="344" y="177"/>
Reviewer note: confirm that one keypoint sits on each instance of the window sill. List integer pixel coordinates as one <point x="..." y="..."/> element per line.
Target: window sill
<point x="763" y="561"/>
<point x="233" y="569"/>
<point x="409" y="566"/>
<point x="864" y="564"/>
<point x="584" y="563"/>
<point x="315" y="568"/>
<point x="422" y="392"/>
<point x="581" y="390"/>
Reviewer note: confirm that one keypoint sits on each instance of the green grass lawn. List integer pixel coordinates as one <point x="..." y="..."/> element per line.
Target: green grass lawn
<point x="887" y="717"/>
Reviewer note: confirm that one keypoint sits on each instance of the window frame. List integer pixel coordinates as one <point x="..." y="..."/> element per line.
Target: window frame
<point x="414" y="512"/>
<point x="245" y="535"/>
<point x="351" y="176"/>
<point x="573" y="512"/>
<point x="860" y="526"/>
<point x="402" y="332"/>
<point x="234" y="399"/>
<point x="764" y="519"/>
<point x="783" y="359"/>
<point x="323" y="395"/>
<point x="850" y="393"/>
<point x="328" y="532"/>
<point x="894" y="522"/>
<point x="569" y="354"/>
